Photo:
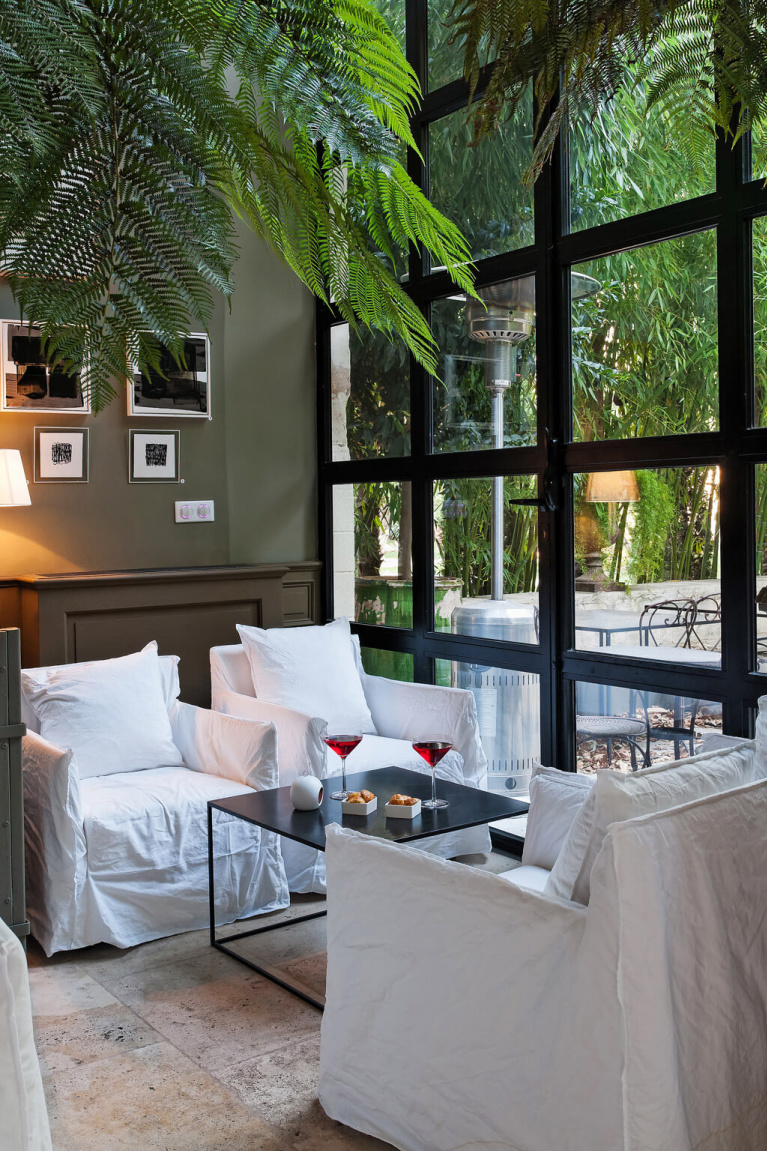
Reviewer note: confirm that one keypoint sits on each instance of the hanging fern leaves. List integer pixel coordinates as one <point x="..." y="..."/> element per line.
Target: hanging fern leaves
<point x="127" y="154"/>
<point x="704" y="62"/>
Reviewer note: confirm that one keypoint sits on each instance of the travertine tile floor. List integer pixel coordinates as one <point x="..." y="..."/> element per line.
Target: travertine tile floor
<point x="176" y="1047"/>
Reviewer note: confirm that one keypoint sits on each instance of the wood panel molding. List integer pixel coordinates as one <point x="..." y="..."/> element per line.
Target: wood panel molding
<point x="80" y="616"/>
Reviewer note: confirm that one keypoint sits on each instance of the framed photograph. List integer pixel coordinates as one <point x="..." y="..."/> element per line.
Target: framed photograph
<point x="154" y="457"/>
<point x="174" y="390"/>
<point x="61" y="455"/>
<point x="31" y="381"/>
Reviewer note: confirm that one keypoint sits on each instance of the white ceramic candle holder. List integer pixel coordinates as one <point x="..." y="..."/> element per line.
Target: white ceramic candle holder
<point x="306" y="793"/>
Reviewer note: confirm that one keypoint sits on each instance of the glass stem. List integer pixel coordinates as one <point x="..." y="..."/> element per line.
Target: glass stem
<point x="343" y="773"/>
<point x="434" y="785"/>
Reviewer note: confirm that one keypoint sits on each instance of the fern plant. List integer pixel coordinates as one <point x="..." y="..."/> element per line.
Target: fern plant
<point x="703" y="61"/>
<point x="135" y="131"/>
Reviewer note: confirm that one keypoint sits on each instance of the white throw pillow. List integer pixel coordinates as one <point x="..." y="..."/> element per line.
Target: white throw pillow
<point x="311" y="670"/>
<point x="112" y="712"/>
<point x="556" y="797"/>
<point x="617" y="797"/>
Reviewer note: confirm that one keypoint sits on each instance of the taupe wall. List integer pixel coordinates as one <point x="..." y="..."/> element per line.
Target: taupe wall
<point x="255" y="458"/>
<point x="270" y="415"/>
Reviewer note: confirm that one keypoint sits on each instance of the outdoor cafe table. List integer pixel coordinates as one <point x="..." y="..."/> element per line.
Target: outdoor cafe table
<point x="608" y="622"/>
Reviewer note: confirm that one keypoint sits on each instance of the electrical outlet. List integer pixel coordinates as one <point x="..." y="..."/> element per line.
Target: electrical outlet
<point x="195" y="511"/>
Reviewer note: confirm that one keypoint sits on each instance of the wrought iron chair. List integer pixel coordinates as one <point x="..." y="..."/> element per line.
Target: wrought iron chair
<point x="667" y="613"/>
<point x="612" y="727"/>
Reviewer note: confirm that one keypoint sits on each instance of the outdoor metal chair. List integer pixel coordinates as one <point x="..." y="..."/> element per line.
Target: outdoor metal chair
<point x="667" y="613"/>
<point x="612" y="727"/>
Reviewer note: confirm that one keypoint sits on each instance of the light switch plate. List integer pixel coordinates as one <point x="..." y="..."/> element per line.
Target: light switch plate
<point x="195" y="511"/>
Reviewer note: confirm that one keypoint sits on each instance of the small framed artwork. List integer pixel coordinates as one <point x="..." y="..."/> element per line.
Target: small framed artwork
<point x="33" y="382"/>
<point x="177" y="389"/>
<point x="154" y="457"/>
<point x="61" y="455"/>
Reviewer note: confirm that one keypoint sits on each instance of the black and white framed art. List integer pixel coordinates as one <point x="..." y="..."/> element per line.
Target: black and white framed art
<point x="61" y="455"/>
<point x="154" y="457"/>
<point x="175" y="389"/>
<point x="31" y="381"/>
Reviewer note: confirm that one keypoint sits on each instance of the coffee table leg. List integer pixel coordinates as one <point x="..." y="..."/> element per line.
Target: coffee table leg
<point x="281" y="978"/>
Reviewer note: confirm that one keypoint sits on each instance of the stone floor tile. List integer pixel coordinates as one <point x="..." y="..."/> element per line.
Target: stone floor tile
<point x="67" y="1041"/>
<point x="281" y="1086"/>
<point x="215" y="1010"/>
<point x="64" y="990"/>
<point x="153" y="1098"/>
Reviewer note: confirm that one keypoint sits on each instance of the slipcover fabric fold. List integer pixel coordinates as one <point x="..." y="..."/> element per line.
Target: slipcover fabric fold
<point x="468" y="1014"/>
<point x="23" y="1116"/>
<point x="123" y="858"/>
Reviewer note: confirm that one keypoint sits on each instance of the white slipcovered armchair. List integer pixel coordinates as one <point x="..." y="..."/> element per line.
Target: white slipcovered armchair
<point x="23" y="1115"/>
<point x="122" y="858"/>
<point x="466" y="1013"/>
<point x="401" y="713"/>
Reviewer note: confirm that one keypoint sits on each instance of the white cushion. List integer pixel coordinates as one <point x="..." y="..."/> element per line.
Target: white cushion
<point x="146" y="823"/>
<point x="311" y="670"/>
<point x="528" y="878"/>
<point x="112" y="712"/>
<point x="617" y="797"/>
<point x="168" y="665"/>
<point x="556" y="797"/>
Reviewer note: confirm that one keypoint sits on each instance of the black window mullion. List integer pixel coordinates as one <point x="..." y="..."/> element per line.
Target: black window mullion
<point x="735" y="447"/>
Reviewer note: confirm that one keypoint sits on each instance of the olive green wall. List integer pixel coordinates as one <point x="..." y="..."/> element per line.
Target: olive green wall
<point x="255" y="457"/>
<point x="270" y="414"/>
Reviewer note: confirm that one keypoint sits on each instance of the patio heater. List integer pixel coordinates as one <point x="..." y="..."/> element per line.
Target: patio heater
<point x="508" y="703"/>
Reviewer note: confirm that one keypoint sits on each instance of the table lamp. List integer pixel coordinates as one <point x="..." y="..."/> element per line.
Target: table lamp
<point x="13" y="483"/>
<point x="602" y="488"/>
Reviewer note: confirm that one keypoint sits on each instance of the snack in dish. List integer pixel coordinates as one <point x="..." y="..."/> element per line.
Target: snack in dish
<point x="399" y="800"/>
<point x="360" y="796"/>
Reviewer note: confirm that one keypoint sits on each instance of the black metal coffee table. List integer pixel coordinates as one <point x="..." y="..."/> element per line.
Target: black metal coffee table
<point x="272" y="810"/>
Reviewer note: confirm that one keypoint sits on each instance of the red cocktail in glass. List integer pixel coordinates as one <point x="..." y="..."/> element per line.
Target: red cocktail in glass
<point x="432" y="750"/>
<point x="342" y="745"/>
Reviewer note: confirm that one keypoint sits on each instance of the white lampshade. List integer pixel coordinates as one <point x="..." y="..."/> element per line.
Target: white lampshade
<point x="13" y="483"/>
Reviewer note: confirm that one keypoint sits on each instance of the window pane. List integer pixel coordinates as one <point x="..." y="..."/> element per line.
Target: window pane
<point x="445" y="59"/>
<point x="480" y="189"/>
<point x="488" y="349"/>
<point x="628" y="729"/>
<point x="623" y="162"/>
<point x="647" y="564"/>
<point x="370" y="395"/>
<point x="480" y="589"/>
<point x="509" y="714"/>
<point x="645" y="343"/>
<point x="372" y="553"/>
<point x="760" y="320"/>
<point x="390" y="664"/>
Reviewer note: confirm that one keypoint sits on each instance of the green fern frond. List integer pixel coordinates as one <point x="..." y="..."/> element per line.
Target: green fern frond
<point x="128" y="154"/>
<point x="704" y="63"/>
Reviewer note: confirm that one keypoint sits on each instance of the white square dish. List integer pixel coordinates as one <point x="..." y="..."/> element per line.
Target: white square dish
<point x="359" y="808"/>
<point x="402" y="811"/>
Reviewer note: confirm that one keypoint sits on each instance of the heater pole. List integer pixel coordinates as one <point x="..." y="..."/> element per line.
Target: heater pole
<point x="498" y="377"/>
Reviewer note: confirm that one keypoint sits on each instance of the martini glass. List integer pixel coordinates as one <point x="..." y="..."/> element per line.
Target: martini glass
<point x="432" y="750"/>
<point x="342" y="745"/>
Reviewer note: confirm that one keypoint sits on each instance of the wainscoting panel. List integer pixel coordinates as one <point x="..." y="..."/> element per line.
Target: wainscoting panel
<point x="97" y="615"/>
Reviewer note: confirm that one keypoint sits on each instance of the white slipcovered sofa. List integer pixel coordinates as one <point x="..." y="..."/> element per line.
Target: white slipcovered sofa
<point x="23" y="1116"/>
<point x="401" y="712"/>
<point x="465" y="1012"/>
<point x="122" y="858"/>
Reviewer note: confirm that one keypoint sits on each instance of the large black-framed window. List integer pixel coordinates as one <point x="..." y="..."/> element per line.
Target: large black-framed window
<point x="728" y="449"/>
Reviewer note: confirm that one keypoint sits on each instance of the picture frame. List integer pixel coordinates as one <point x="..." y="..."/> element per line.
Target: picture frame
<point x="154" y="457"/>
<point x="33" y="382"/>
<point x="61" y="455"/>
<point x="181" y="392"/>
